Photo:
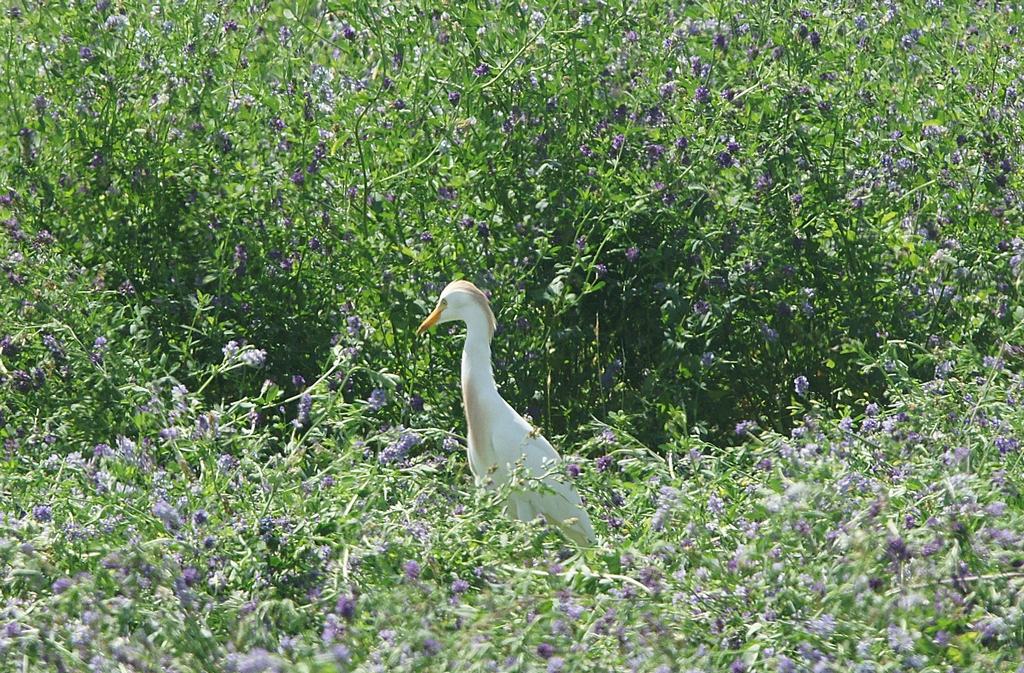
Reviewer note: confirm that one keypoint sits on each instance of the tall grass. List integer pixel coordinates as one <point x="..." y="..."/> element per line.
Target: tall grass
<point x="757" y="272"/>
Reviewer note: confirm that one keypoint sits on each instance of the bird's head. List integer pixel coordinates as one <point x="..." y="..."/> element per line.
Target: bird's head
<point x="461" y="300"/>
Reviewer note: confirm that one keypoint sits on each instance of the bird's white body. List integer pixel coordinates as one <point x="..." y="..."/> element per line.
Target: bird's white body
<point x="499" y="438"/>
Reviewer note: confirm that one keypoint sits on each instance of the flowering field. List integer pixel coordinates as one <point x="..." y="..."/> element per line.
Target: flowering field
<point x="757" y="271"/>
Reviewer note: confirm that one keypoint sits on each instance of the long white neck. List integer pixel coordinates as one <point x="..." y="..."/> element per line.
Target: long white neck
<point x="479" y="391"/>
<point x="477" y="375"/>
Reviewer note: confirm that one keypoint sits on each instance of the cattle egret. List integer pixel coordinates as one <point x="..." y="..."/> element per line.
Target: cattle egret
<point x="499" y="438"/>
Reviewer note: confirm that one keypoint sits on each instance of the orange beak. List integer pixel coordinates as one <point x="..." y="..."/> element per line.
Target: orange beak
<point x="430" y="321"/>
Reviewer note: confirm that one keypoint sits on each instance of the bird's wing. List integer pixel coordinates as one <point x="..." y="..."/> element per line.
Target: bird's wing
<point x="554" y="499"/>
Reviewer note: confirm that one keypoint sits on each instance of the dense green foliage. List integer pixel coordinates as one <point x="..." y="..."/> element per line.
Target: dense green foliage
<point x="713" y="235"/>
<point x="675" y="209"/>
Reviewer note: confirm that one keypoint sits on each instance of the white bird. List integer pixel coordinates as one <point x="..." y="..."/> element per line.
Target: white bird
<point x="499" y="438"/>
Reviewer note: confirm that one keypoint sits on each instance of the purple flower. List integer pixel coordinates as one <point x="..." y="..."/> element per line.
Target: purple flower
<point x="399" y="449"/>
<point x="931" y="547"/>
<point x="226" y="462"/>
<point x="897" y="550"/>
<point x="573" y="470"/>
<point x="61" y="585"/>
<point x="481" y="70"/>
<point x="340" y="654"/>
<point x="8" y="347"/>
<point x="801" y="385"/>
<point x="255" y="661"/>
<point x="332" y="629"/>
<point x="823" y="625"/>
<point x="618" y="142"/>
<point x="85" y="53"/>
<point x="707" y="359"/>
<point x="454" y="97"/>
<point x="604" y="463"/>
<point x="302" y="416"/>
<point x="42" y="513"/>
<point x="702" y="95"/>
<point x="910" y="39"/>
<point x="378" y="398"/>
<point x="53" y="346"/>
<point x="745" y="427"/>
<point x="346" y="607"/>
<point x="716" y="505"/>
<point x="667" y="499"/>
<point x="189" y="576"/>
<point x="23" y="381"/>
<point x="701" y="307"/>
<point x="724" y="159"/>
<point x="230" y="350"/>
<point x="254" y="357"/>
<point x="1006" y="445"/>
<point x="899" y="639"/>
<point x="411" y="570"/>
<point x="990" y="628"/>
<point x="996" y="509"/>
<point x="164" y="511"/>
<point x="632" y="254"/>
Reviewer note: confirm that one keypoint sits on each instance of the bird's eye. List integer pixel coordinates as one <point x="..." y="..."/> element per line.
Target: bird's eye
<point x="444" y="302"/>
